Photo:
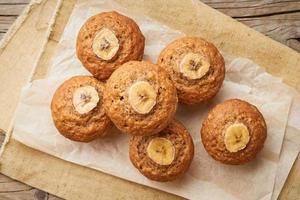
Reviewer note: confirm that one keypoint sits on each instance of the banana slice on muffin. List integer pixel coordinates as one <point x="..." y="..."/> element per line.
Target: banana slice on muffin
<point x="161" y="151"/>
<point x="164" y="156"/>
<point x="234" y="132"/>
<point x="105" y="44"/>
<point x="85" y="99"/>
<point x="196" y="67"/>
<point x="108" y="40"/>
<point x="140" y="98"/>
<point x="77" y="109"/>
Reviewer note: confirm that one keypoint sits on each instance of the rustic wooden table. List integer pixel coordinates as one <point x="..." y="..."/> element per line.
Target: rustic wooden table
<point x="278" y="19"/>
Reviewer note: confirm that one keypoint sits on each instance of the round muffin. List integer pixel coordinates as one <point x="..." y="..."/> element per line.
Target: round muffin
<point x="164" y="156"/>
<point x="140" y="98"/>
<point x="234" y="132"/>
<point x="77" y="109"/>
<point x="108" y="40"/>
<point x="196" y="67"/>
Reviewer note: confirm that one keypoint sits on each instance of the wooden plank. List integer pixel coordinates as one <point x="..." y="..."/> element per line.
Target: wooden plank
<point x="11" y="9"/>
<point x="261" y="20"/>
<point x="6" y="22"/>
<point x="15" y="190"/>
<point x="14" y="1"/>
<point x="252" y="8"/>
<point x="13" y="186"/>
<point x="285" y="28"/>
<point x="279" y="20"/>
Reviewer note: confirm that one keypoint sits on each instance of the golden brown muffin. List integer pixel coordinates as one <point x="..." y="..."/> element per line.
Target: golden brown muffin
<point x="140" y="98"/>
<point x="164" y="156"/>
<point x="77" y="109"/>
<point x="108" y="40"/>
<point x="196" y="67"/>
<point x="234" y="132"/>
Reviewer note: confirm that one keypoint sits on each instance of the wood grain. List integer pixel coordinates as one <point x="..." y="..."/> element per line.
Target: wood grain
<point x="283" y="28"/>
<point x="279" y="20"/>
<point x="6" y="22"/>
<point x="254" y="8"/>
<point x="11" y="9"/>
<point x="14" y="2"/>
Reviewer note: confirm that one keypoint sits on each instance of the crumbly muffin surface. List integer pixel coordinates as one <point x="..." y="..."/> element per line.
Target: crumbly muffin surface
<point x="197" y="90"/>
<point x="224" y="115"/>
<point x="70" y="123"/>
<point x="117" y="105"/>
<point x="131" y="42"/>
<point x="184" y="152"/>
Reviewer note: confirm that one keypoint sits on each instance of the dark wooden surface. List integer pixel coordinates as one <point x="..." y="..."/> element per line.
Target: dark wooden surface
<point x="279" y="20"/>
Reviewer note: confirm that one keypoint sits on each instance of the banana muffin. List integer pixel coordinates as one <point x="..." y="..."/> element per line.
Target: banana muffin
<point x="234" y="132"/>
<point x="196" y="67"/>
<point x="164" y="156"/>
<point x="140" y="98"/>
<point x="108" y="40"/>
<point x="77" y="109"/>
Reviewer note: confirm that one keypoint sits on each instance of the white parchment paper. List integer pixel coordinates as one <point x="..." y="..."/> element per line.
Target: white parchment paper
<point x="206" y="178"/>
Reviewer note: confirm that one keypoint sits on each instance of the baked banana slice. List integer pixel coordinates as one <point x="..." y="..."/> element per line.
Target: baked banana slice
<point x="236" y="137"/>
<point x="161" y="151"/>
<point x="142" y="97"/>
<point x="194" y="66"/>
<point x="105" y="44"/>
<point x="85" y="99"/>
